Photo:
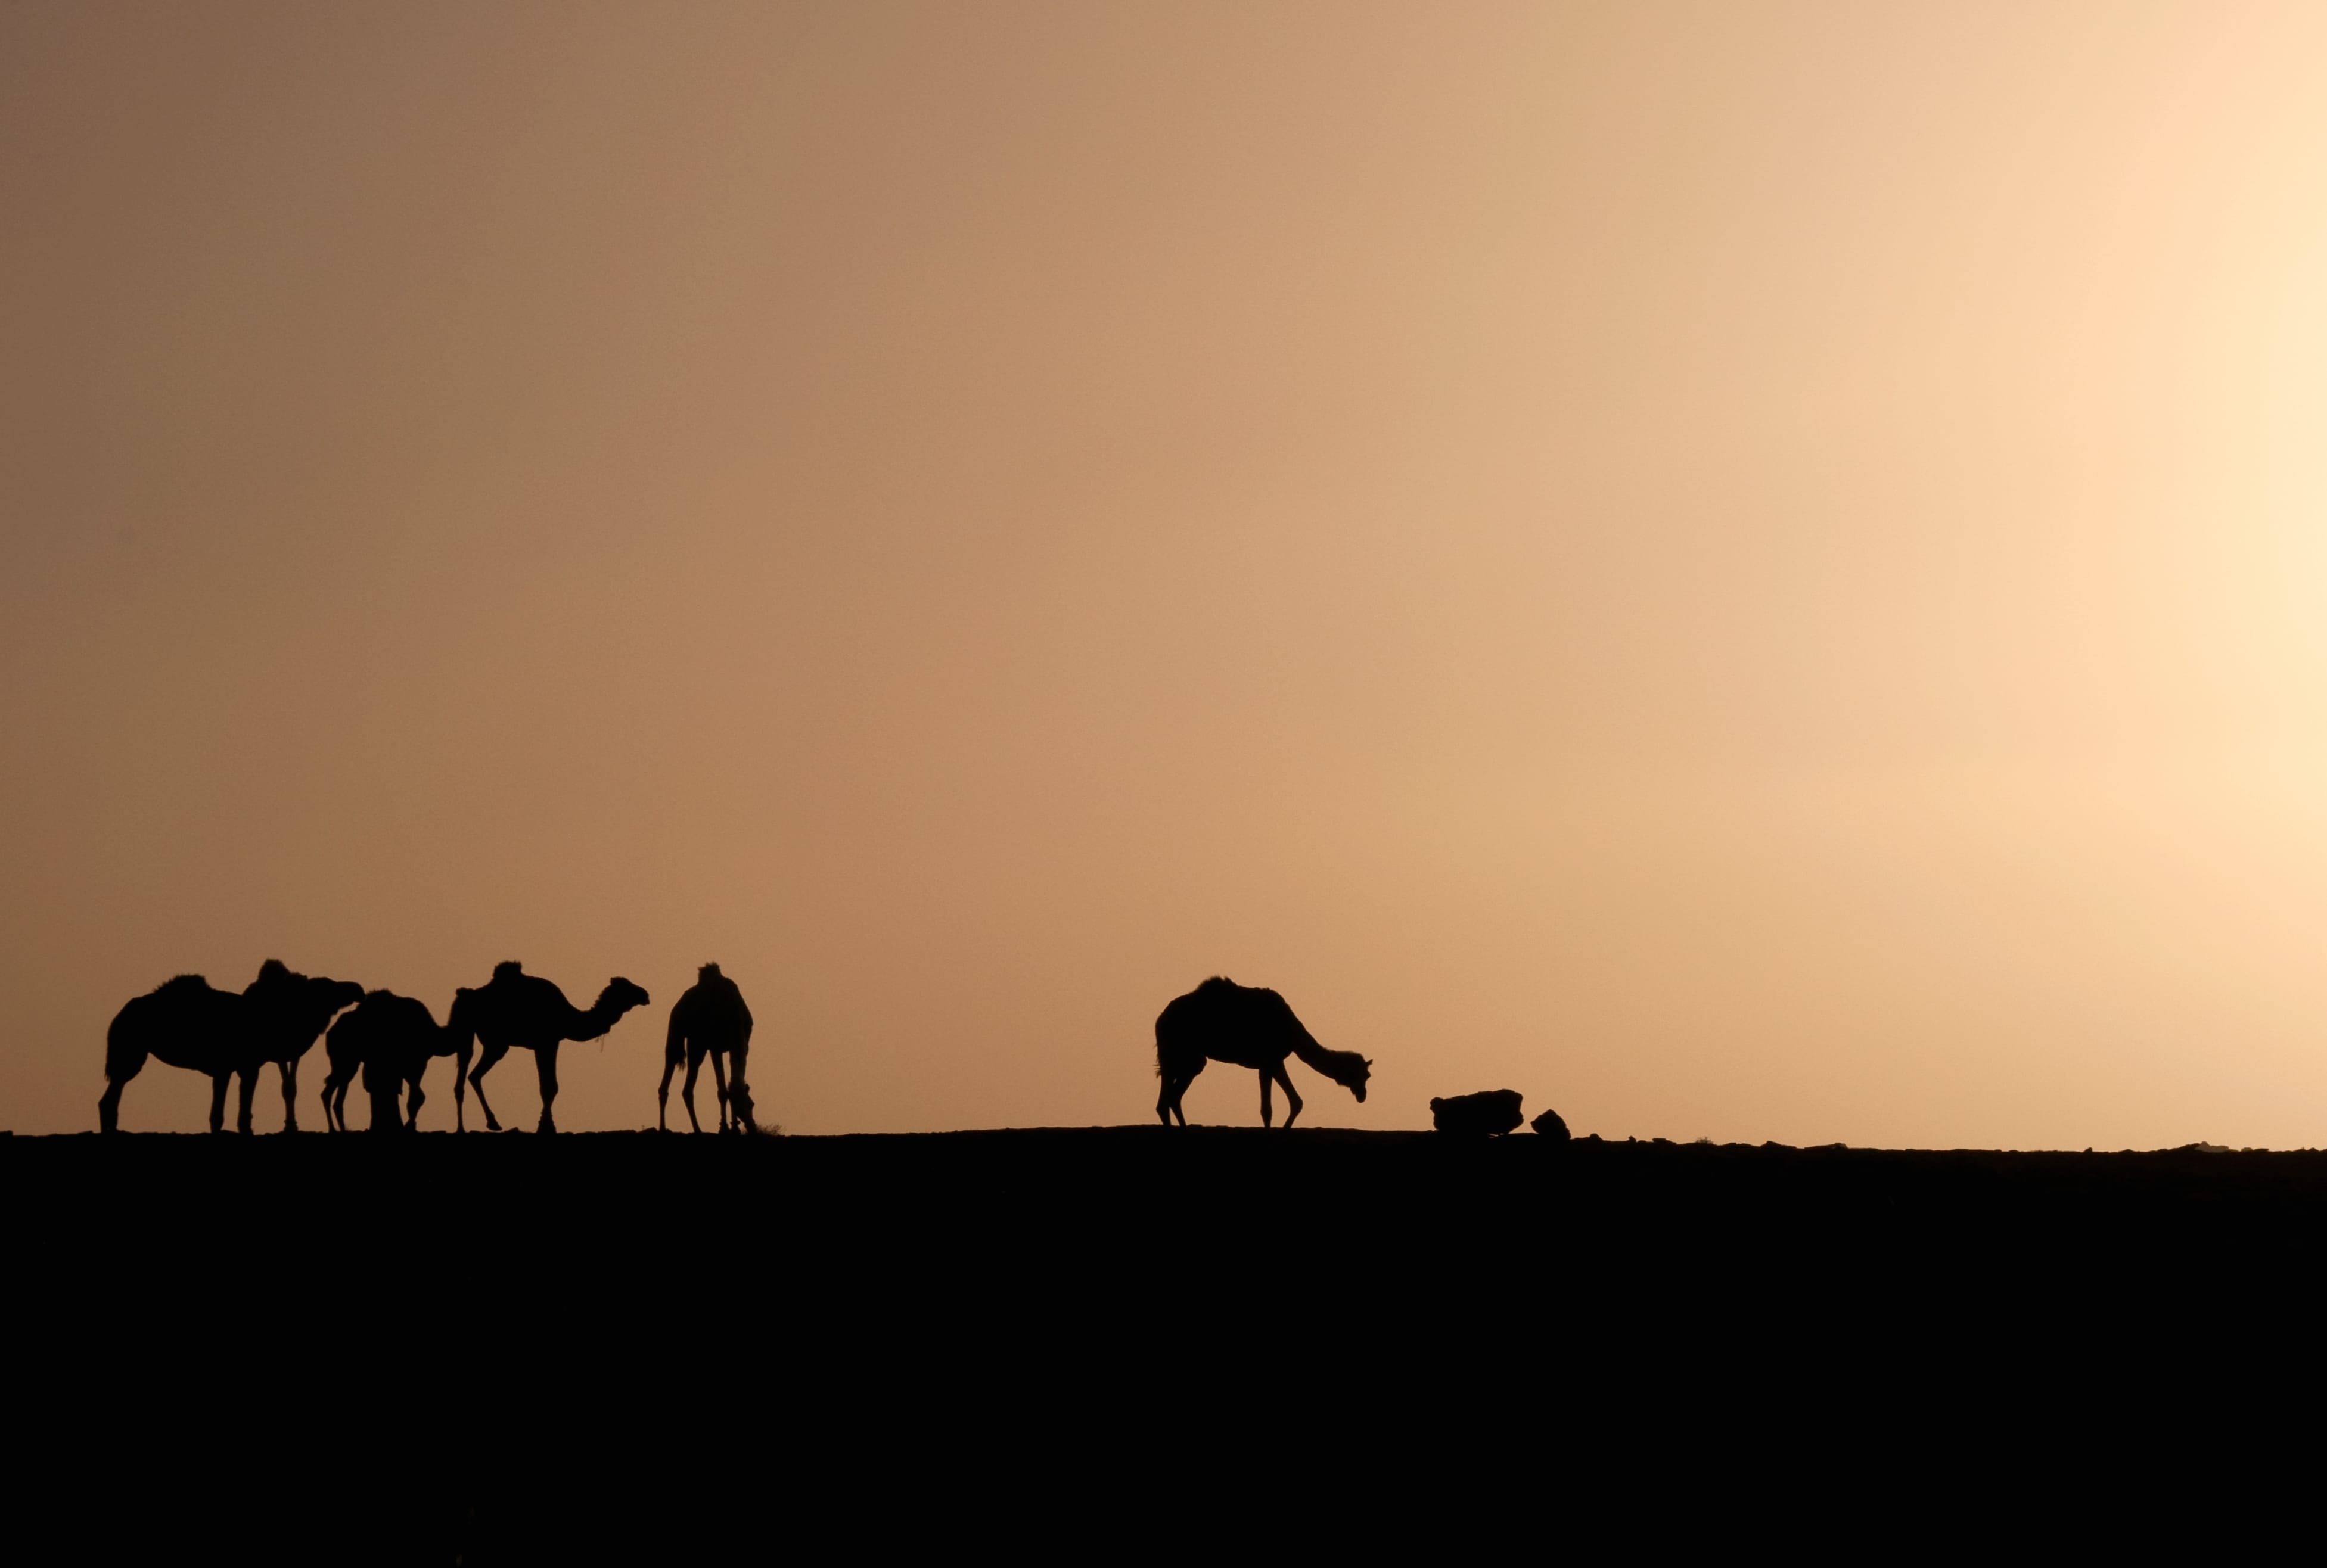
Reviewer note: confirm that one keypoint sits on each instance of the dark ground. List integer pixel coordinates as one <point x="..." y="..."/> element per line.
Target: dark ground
<point x="510" y="1347"/>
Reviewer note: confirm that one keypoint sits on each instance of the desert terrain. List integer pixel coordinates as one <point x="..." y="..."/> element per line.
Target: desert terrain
<point x="504" y="1348"/>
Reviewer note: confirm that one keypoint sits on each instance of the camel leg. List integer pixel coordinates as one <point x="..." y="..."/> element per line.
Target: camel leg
<point x="662" y="1093"/>
<point x="1167" y="1100"/>
<point x="1267" y="1111"/>
<point x="687" y="1090"/>
<point x="1292" y="1095"/>
<point x="383" y="1092"/>
<point x="493" y="1053"/>
<point x="719" y="1079"/>
<point x="1169" y="1105"/>
<point x="414" y="1101"/>
<point x="460" y="1090"/>
<point x="117" y="1074"/>
<point x="544" y="1063"/>
<point x="218" y="1082"/>
<point x="739" y="1097"/>
<point x="329" y="1127"/>
<point x="290" y="1094"/>
<point x="109" y="1105"/>
<point x="249" y="1088"/>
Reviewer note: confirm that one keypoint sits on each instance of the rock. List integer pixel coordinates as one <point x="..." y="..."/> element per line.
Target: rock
<point x="1487" y="1114"/>
<point x="1550" y="1127"/>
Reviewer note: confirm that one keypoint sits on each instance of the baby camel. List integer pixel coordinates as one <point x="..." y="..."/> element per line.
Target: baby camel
<point x="517" y="1009"/>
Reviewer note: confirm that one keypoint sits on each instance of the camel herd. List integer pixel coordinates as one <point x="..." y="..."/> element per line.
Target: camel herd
<point x="390" y="1040"/>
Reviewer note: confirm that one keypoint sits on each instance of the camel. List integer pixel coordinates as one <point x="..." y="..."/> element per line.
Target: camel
<point x="1245" y="1026"/>
<point x="288" y="1013"/>
<point x="517" y="1009"/>
<point x="391" y="1040"/>
<point x="187" y="1022"/>
<point x="710" y="1020"/>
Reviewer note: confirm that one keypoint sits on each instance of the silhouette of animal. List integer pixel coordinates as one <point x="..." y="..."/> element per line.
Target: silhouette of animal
<point x="517" y="1009"/>
<point x="1549" y="1125"/>
<point x="187" y="1022"/>
<point x="710" y="1020"/>
<point x="1489" y="1113"/>
<point x="1244" y="1026"/>
<point x="391" y="1039"/>
<point x="288" y="1013"/>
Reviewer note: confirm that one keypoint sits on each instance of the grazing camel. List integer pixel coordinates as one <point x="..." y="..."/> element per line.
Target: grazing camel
<point x="1245" y="1026"/>
<point x="710" y="1020"/>
<point x="189" y="1023"/>
<point x="517" y="1009"/>
<point x="391" y="1039"/>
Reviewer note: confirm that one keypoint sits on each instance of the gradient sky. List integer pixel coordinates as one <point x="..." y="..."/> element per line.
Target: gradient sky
<point x="1748" y="571"/>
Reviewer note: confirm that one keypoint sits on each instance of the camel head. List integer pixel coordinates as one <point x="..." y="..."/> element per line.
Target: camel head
<point x="300" y="1001"/>
<point x="619" y="997"/>
<point x="1351" y="1070"/>
<point x="329" y="996"/>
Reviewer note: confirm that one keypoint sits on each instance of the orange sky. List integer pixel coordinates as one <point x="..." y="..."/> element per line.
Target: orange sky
<point x="1747" y="571"/>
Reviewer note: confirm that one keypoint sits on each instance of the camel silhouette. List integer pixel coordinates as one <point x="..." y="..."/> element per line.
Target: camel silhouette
<point x="517" y="1009"/>
<point x="187" y="1022"/>
<point x="1244" y="1026"/>
<point x="391" y="1039"/>
<point x="710" y="1020"/>
<point x="288" y="1013"/>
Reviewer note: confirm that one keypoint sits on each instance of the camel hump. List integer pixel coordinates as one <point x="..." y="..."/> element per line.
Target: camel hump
<point x="507" y="969"/>
<point x="1219" y="990"/>
<point x="410" y="1010"/>
<point x="1221" y="997"/>
<point x="275" y="969"/>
